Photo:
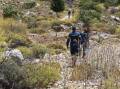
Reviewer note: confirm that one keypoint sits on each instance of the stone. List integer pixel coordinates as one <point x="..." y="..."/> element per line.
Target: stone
<point x="13" y="53"/>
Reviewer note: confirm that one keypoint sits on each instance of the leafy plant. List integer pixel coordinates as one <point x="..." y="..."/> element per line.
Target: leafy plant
<point x="13" y="73"/>
<point x="57" y="5"/>
<point x="10" y="11"/>
<point x="29" y="4"/>
<point x="39" y="51"/>
<point x="88" y="11"/>
<point x="27" y="52"/>
<point x="42" y="75"/>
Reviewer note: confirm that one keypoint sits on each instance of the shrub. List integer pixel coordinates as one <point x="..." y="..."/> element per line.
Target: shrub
<point x="16" y="40"/>
<point x="11" y="25"/>
<point x="13" y="73"/>
<point x="109" y="84"/>
<point x="82" y="72"/>
<point x="57" y="5"/>
<point x="39" y="51"/>
<point x="10" y="11"/>
<point x="100" y="7"/>
<point x="56" y="23"/>
<point x="13" y="32"/>
<point x="27" y="52"/>
<point x="29" y="4"/>
<point x="42" y="75"/>
<point x="3" y="45"/>
<point x="88" y="11"/>
<point x="38" y="30"/>
<point x="118" y="30"/>
<point x="2" y="36"/>
<point x="58" y="48"/>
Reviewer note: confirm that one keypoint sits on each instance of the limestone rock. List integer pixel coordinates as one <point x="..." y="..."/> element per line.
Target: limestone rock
<point x="13" y="53"/>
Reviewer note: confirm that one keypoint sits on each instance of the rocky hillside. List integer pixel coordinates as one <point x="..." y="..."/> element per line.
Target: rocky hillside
<point x="33" y="52"/>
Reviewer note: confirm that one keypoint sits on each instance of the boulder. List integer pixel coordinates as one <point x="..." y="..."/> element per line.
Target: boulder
<point x="13" y="53"/>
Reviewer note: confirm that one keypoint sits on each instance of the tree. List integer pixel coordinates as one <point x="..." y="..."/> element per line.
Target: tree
<point x="57" y="6"/>
<point x="88" y="11"/>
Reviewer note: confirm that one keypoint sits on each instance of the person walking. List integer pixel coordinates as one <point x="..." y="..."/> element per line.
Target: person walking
<point x="74" y="41"/>
<point x="85" y="38"/>
<point x="69" y="14"/>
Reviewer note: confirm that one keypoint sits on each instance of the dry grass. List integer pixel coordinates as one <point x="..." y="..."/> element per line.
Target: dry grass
<point x="82" y="72"/>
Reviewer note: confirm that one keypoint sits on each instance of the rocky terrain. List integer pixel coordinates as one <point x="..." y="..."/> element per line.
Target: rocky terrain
<point x="33" y="52"/>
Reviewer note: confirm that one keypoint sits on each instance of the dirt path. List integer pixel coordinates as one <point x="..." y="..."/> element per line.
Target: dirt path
<point x="93" y="57"/>
<point x="98" y="54"/>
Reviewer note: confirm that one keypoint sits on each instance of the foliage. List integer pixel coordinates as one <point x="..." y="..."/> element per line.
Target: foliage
<point x="9" y="25"/>
<point x="13" y="73"/>
<point x="10" y="11"/>
<point x="37" y="30"/>
<point x="82" y="72"/>
<point x="117" y="30"/>
<point x="112" y="75"/>
<point x="27" y="52"/>
<point x="58" y="48"/>
<point x="39" y="50"/>
<point x="42" y="75"/>
<point x="3" y="45"/>
<point x="31" y="21"/>
<point x="29" y="4"/>
<point x="13" y="33"/>
<point x="16" y="40"/>
<point x="109" y="84"/>
<point x="111" y="2"/>
<point x="88" y="11"/>
<point x="57" y="5"/>
<point x="100" y="7"/>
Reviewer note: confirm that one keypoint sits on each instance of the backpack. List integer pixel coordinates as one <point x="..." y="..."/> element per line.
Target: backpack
<point x="75" y="37"/>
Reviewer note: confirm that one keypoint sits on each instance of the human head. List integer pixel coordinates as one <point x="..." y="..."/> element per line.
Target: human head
<point x="73" y="28"/>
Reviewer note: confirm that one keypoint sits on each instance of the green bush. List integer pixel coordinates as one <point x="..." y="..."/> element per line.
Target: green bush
<point x="100" y="7"/>
<point x="42" y="75"/>
<point x="29" y="4"/>
<point x="118" y="30"/>
<point x="58" y="48"/>
<point x="38" y="30"/>
<point x="3" y="45"/>
<point x="13" y="32"/>
<point x="16" y="40"/>
<point x="39" y="50"/>
<point x="13" y="73"/>
<point x="57" y="5"/>
<point x="27" y="52"/>
<point x="88" y="11"/>
<point x="29" y="75"/>
<point x="10" y="11"/>
<point x="111" y="2"/>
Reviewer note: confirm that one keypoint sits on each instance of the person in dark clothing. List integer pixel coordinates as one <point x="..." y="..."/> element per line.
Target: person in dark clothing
<point x="85" y="36"/>
<point x="74" y="41"/>
<point x="69" y="14"/>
